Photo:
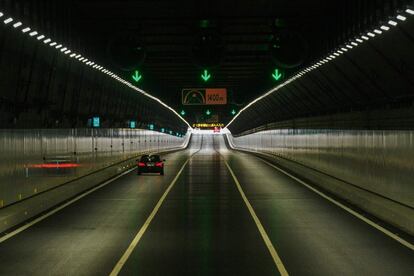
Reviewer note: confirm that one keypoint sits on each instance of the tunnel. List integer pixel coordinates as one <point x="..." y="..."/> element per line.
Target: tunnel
<point x="164" y="137"/>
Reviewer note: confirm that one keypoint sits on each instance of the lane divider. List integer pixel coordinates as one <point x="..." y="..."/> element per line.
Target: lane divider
<point x="349" y="210"/>
<point x="120" y="264"/>
<point x="276" y="258"/>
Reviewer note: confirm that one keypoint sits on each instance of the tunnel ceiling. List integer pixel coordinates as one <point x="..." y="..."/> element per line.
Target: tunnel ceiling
<point x="241" y="62"/>
<point x="166" y="45"/>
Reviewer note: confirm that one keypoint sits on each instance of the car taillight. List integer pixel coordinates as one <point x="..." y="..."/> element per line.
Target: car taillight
<point x="141" y="164"/>
<point x="158" y="164"/>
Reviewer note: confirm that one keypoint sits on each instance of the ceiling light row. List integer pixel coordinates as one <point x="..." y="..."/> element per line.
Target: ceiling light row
<point x="393" y="22"/>
<point x="66" y="51"/>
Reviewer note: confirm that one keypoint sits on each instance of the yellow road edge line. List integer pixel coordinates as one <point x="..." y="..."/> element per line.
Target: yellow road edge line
<point x="48" y="214"/>
<point x="278" y="262"/>
<point x="146" y="224"/>
<point x="349" y="210"/>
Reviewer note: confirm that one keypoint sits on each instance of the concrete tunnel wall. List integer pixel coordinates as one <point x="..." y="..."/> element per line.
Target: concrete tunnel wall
<point x="371" y="169"/>
<point x="27" y="189"/>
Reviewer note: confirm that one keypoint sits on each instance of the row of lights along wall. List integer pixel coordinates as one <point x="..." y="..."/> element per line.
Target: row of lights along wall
<point x="47" y="41"/>
<point x="393" y="22"/>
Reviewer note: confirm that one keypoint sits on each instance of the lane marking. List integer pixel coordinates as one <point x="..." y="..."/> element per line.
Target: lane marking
<point x="119" y="265"/>
<point x="349" y="210"/>
<point x="276" y="259"/>
<point x="48" y="214"/>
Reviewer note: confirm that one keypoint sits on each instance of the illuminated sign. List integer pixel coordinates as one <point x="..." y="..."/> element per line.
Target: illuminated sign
<point x="132" y="124"/>
<point x="136" y="76"/>
<point x="96" y="122"/>
<point x="206" y="75"/>
<point x="204" y="96"/>
<point x="277" y="75"/>
<point x="207" y="125"/>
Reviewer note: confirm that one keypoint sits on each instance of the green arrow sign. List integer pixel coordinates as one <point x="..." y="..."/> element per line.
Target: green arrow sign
<point x="136" y="76"/>
<point x="277" y="75"/>
<point x="233" y="112"/>
<point x="206" y="76"/>
<point x="208" y="112"/>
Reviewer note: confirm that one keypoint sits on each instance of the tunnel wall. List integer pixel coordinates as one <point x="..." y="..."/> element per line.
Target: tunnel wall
<point x="372" y="169"/>
<point x="40" y="87"/>
<point x="29" y="182"/>
<point x="375" y="77"/>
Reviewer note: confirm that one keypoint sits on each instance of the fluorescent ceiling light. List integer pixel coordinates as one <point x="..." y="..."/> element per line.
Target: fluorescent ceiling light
<point x="33" y="33"/>
<point x="40" y="37"/>
<point x="17" y="24"/>
<point x="25" y="30"/>
<point x="392" y="23"/>
<point x="371" y="34"/>
<point x="401" y="17"/>
<point x="8" y="20"/>
<point x="409" y="11"/>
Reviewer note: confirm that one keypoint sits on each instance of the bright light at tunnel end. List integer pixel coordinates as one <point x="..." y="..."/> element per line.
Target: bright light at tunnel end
<point x="350" y="46"/>
<point x="65" y="50"/>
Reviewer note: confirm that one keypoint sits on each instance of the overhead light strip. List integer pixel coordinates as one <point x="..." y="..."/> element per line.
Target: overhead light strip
<point x="352" y="45"/>
<point x="66" y="51"/>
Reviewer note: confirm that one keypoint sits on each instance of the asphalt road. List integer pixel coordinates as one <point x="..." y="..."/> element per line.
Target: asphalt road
<point x="203" y="226"/>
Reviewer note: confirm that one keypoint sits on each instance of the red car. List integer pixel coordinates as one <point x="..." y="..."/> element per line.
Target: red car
<point x="150" y="164"/>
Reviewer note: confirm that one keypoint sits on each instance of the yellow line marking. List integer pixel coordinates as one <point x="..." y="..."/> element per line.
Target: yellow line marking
<point x="361" y="217"/>
<point x="144" y="227"/>
<point x="266" y="239"/>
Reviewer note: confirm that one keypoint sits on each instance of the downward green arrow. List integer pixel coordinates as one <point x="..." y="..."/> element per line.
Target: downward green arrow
<point x="206" y="76"/>
<point x="277" y="75"/>
<point x="136" y="76"/>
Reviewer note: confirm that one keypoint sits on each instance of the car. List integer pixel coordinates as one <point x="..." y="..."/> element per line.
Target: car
<point x="150" y="164"/>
